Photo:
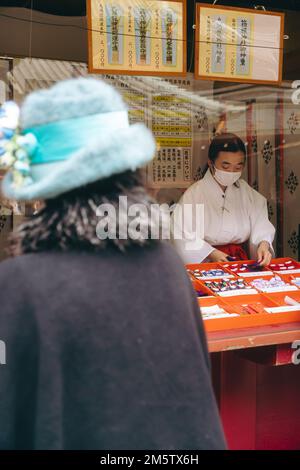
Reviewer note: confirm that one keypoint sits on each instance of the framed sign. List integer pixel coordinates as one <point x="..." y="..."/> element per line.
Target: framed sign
<point x="238" y="44"/>
<point x="137" y="37"/>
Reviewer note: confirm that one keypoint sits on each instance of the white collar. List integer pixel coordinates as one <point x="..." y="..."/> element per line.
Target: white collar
<point x="211" y="182"/>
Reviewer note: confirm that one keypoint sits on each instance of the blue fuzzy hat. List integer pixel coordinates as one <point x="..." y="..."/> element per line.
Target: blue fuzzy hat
<point x="81" y="134"/>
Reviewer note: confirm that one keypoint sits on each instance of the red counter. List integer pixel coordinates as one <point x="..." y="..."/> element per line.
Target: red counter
<point x="257" y="386"/>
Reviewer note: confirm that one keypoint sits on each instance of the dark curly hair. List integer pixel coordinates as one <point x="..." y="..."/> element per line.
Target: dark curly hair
<point x="69" y="221"/>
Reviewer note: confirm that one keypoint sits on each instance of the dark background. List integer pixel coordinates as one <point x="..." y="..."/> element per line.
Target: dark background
<point x="77" y="7"/>
<point x="69" y="42"/>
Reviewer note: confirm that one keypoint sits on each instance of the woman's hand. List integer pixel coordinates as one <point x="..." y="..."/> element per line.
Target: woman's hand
<point x="264" y="255"/>
<point x="218" y="256"/>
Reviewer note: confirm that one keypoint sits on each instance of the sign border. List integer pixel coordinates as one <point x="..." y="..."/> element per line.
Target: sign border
<point x="198" y="76"/>
<point x="153" y="73"/>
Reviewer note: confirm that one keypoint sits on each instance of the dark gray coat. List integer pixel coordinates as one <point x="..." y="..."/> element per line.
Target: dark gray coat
<point x="104" y="351"/>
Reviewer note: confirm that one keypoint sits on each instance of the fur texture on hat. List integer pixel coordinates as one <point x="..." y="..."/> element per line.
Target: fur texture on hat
<point x="109" y="153"/>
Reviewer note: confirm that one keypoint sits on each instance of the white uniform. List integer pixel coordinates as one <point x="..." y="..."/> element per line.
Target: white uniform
<point x="236" y="216"/>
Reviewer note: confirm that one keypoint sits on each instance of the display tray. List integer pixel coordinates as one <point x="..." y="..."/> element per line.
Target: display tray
<point x="230" y="293"/>
<point x="278" y="261"/>
<point x="236" y="268"/>
<point x="290" y="278"/>
<point x="279" y="297"/>
<point x="232" y="305"/>
<point x="289" y="287"/>
<point x="258" y="301"/>
<point x="208" y="266"/>
<point x="198" y="286"/>
<point x="212" y="300"/>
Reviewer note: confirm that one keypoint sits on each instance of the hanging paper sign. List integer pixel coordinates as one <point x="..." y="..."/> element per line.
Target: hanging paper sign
<point x="139" y="37"/>
<point x="238" y="44"/>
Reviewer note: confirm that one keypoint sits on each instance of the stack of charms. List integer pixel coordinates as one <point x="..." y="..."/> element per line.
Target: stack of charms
<point x="245" y="268"/>
<point x="275" y="284"/>
<point x="288" y="266"/>
<point x="214" y="311"/>
<point x="224" y="286"/>
<point x="209" y="273"/>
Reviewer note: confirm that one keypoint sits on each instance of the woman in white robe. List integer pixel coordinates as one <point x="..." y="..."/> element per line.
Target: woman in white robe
<point x="235" y="221"/>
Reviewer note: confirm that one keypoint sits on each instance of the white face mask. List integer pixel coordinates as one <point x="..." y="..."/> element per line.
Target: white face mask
<point x="227" y="178"/>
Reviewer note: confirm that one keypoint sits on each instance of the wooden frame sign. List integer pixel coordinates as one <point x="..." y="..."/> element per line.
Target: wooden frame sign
<point x="137" y="37"/>
<point x="238" y="44"/>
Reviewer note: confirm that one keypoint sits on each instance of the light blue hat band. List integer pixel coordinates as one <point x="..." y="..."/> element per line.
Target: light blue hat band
<point x="60" y="140"/>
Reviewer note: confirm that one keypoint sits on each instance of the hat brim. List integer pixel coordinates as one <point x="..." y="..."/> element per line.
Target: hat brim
<point x="107" y="155"/>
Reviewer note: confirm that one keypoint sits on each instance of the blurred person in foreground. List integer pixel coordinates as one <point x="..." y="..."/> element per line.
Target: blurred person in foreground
<point x="105" y="346"/>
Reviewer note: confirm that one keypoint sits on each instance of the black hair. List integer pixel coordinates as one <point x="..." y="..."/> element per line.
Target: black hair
<point x="225" y="143"/>
<point x="69" y="222"/>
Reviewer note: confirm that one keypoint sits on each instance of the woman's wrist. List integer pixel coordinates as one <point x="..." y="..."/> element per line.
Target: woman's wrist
<point x="264" y="253"/>
<point x="264" y="242"/>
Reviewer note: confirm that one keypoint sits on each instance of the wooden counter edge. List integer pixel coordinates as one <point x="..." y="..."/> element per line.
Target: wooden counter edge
<point x="253" y="337"/>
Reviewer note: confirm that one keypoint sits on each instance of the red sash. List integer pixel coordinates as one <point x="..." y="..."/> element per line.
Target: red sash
<point x="238" y="251"/>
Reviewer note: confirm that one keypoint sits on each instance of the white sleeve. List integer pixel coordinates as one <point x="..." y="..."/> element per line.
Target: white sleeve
<point x="261" y="227"/>
<point x="191" y="247"/>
